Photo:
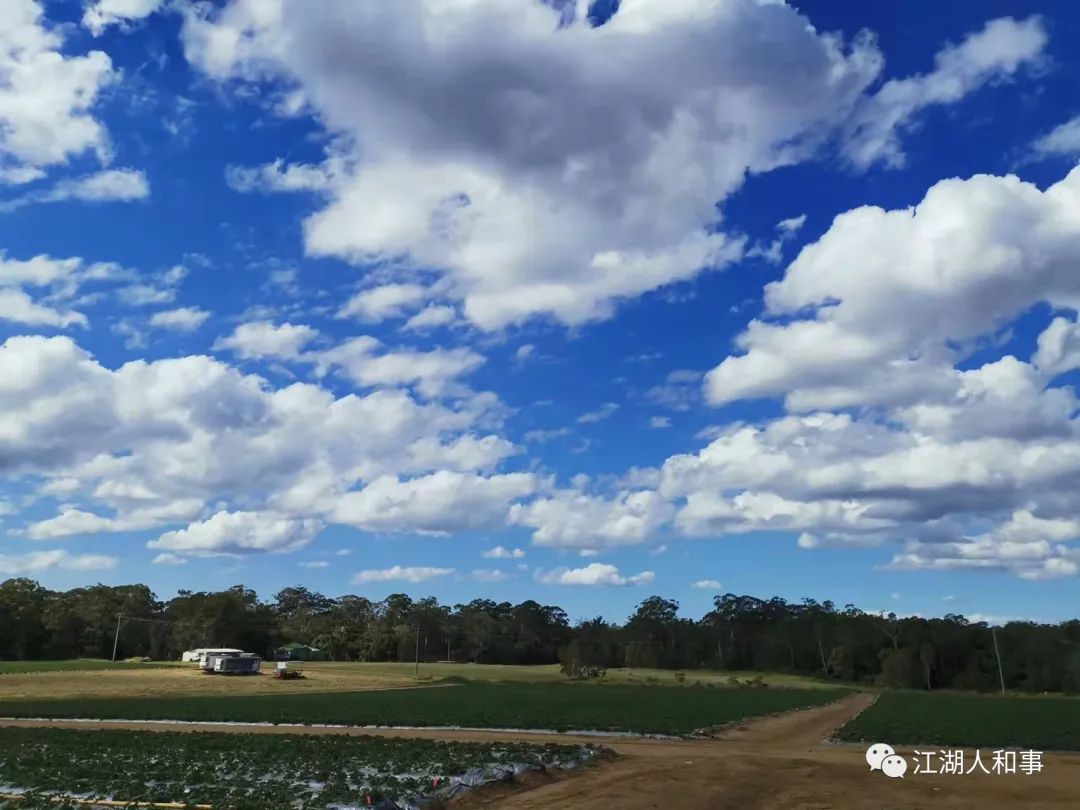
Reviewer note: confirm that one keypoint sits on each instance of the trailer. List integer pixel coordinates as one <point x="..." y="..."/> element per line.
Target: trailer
<point x="232" y="664"/>
<point x="197" y="656"/>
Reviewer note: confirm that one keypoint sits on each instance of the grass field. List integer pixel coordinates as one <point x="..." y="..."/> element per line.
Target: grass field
<point x="950" y="718"/>
<point x="549" y="673"/>
<point x="251" y="770"/>
<point x="78" y="665"/>
<point x="643" y="709"/>
<point x="68" y="679"/>
<point x="139" y="680"/>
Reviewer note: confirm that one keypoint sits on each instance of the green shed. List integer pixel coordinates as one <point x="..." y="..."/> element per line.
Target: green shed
<point x="299" y="652"/>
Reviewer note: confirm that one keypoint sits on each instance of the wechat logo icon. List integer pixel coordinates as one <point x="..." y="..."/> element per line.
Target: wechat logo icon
<point x="882" y="757"/>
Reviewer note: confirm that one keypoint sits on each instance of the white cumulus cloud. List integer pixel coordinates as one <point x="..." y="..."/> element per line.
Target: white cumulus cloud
<point x="413" y="574"/>
<point x="234" y="533"/>
<point x="184" y="319"/>
<point x="38" y="562"/>
<point x="593" y="574"/>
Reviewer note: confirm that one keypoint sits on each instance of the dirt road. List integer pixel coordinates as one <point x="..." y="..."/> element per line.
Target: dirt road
<point x="775" y="763"/>
<point x="779" y="763"/>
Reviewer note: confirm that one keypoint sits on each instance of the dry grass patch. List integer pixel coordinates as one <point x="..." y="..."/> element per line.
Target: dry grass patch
<point x="189" y="682"/>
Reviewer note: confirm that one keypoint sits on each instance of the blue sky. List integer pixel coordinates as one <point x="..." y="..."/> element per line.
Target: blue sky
<point x="679" y="298"/>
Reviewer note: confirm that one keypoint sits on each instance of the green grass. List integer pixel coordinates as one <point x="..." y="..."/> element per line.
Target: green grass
<point x="249" y="770"/>
<point x="549" y="673"/>
<point x="950" y="718"/>
<point x="23" y="667"/>
<point x="562" y="707"/>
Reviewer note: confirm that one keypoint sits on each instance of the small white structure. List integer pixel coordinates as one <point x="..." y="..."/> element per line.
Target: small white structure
<point x="199" y="655"/>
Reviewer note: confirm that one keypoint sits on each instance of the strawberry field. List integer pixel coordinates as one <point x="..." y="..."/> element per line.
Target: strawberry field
<point x="256" y="770"/>
<point x="951" y="718"/>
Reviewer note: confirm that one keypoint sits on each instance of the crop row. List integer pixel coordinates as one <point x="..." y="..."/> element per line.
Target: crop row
<point x="1041" y="723"/>
<point x="248" y="770"/>
<point x="560" y="707"/>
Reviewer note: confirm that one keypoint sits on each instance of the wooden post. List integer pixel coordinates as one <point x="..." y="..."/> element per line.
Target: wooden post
<point x="116" y="638"/>
<point x="417" y="649"/>
<point x="997" y="655"/>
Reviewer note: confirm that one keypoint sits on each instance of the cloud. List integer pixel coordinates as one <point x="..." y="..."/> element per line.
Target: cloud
<point x="599" y="415"/>
<point x="153" y="444"/>
<point x="489" y="575"/>
<point x="501" y="553"/>
<point x="364" y="361"/>
<point x="38" y="562"/>
<point x="530" y="199"/>
<point x="379" y="303"/>
<point x="73" y="521"/>
<point x="593" y="574"/>
<point x="20" y="175"/>
<point x="572" y="519"/>
<point x="786" y="229"/>
<point x="184" y="319"/>
<point x="277" y="177"/>
<point x="109" y="185"/>
<point x="791" y="226"/>
<point x="259" y="339"/>
<point x="165" y="558"/>
<point x="708" y="584"/>
<point x="43" y="270"/>
<point x="1062" y="141"/>
<point x="963" y="262"/>
<point x="439" y="503"/>
<point x="315" y="564"/>
<point x="660" y="422"/>
<point x="681" y="391"/>
<point x="999" y="50"/>
<point x="237" y="533"/>
<point x="431" y="317"/>
<point x="100" y="14"/>
<point x="544" y="436"/>
<point x="462" y="454"/>
<point x="1031" y="547"/>
<point x="401" y="574"/>
<point x="160" y="288"/>
<point x="54" y="284"/>
<point x="17" y="306"/>
<point x="46" y="95"/>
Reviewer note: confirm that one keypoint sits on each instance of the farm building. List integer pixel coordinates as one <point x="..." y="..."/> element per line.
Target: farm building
<point x="299" y="652"/>
<point x="196" y="656"/>
<point x="231" y="663"/>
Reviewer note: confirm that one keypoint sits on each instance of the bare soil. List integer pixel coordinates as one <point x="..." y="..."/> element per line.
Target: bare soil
<point x="771" y="763"/>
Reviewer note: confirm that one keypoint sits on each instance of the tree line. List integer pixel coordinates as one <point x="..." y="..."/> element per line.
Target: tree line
<point x="740" y="633"/>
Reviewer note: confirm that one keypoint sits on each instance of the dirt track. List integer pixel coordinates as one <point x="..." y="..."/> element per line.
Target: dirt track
<point x="776" y="762"/>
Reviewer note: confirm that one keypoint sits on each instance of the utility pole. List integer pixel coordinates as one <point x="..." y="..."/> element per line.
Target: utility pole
<point x="116" y="638"/>
<point x="997" y="655"/>
<point x="417" y="649"/>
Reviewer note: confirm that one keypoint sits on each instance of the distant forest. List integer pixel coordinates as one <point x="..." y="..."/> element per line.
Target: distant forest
<point x="739" y="633"/>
